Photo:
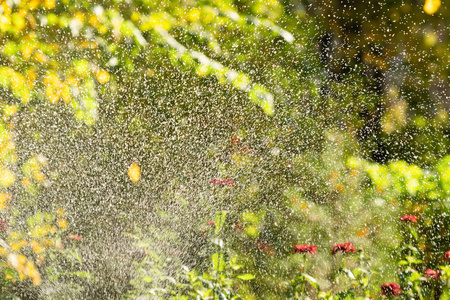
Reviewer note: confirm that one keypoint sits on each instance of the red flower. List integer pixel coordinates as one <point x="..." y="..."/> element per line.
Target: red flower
<point x="222" y="182"/>
<point x="211" y="223"/>
<point x="447" y="255"/>
<point x="3" y="225"/>
<point x="390" y="289"/>
<point x="409" y="218"/>
<point x="74" y="237"/>
<point x="429" y="273"/>
<point x="344" y="248"/>
<point x="305" y="249"/>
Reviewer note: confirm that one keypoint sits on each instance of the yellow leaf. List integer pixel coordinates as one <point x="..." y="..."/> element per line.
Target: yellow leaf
<point x="5" y="197"/>
<point x="40" y="57"/>
<point x="93" y="20"/>
<point x="52" y="94"/>
<point x="6" y="178"/>
<point x="52" y="79"/>
<point x="134" y="172"/>
<point x="102" y="77"/>
<point x="431" y="6"/>
<point x="79" y="17"/>
<point x="72" y="80"/>
<point x="36" y="280"/>
<point x="194" y="15"/>
<point x="6" y="9"/>
<point x="21" y="259"/>
<point x="14" y="247"/>
<point x="62" y="223"/>
<point x="31" y="74"/>
<point x="60" y="212"/>
<point x="39" y="176"/>
<point x="33" y="4"/>
<point x="26" y="182"/>
<point x="27" y="50"/>
<point x="14" y="235"/>
<point x="49" y="4"/>
<point x="36" y="247"/>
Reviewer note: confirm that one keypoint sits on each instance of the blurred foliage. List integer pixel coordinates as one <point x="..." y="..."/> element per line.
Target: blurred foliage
<point x="400" y="48"/>
<point x="331" y="118"/>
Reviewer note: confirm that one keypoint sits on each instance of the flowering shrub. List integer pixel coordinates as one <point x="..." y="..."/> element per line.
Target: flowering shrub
<point x="352" y="275"/>
<point x="433" y="282"/>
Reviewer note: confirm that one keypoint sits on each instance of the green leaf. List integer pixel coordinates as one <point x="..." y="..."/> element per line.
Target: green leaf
<point x="75" y="255"/>
<point x="233" y="263"/>
<point x="86" y="275"/>
<point x="411" y="247"/>
<point x="414" y="276"/>
<point x="220" y="220"/>
<point x="218" y="262"/>
<point x="11" y="272"/>
<point x="365" y="281"/>
<point x="246" y="277"/>
<point x="414" y="233"/>
<point x="311" y="280"/>
<point x="446" y="269"/>
<point x="445" y="294"/>
<point x="250" y="217"/>
<point x="413" y="260"/>
<point x="251" y="231"/>
<point x="349" y="273"/>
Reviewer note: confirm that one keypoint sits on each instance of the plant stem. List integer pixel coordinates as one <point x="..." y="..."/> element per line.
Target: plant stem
<point x="419" y="291"/>
<point x="303" y="286"/>
<point x="303" y="270"/>
<point x="220" y="254"/>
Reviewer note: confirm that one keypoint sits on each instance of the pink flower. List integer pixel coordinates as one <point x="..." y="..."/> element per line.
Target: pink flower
<point x="344" y="248"/>
<point x="222" y="182"/>
<point x="409" y="218"/>
<point x="305" y="249"/>
<point x="447" y="255"/>
<point x="432" y="274"/>
<point x="390" y="289"/>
